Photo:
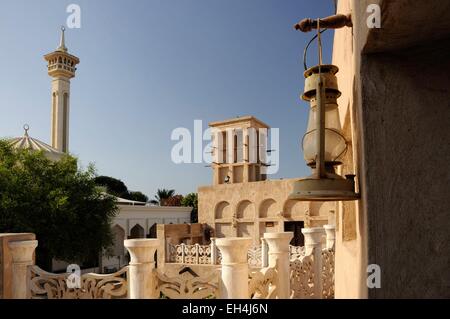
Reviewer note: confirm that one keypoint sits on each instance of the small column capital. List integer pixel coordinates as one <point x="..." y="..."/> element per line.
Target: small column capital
<point x="22" y="251"/>
<point x="313" y="236"/>
<point x="234" y="250"/>
<point x="278" y="242"/>
<point x="142" y="250"/>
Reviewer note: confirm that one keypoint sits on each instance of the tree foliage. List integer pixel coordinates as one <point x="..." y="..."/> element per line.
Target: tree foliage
<point x="118" y="188"/>
<point x="138" y="197"/>
<point x="161" y="196"/>
<point x="191" y="200"/>
<point x="113" y="185"/>
<point x="174" y="200"/>
<point x="58" y="202"/>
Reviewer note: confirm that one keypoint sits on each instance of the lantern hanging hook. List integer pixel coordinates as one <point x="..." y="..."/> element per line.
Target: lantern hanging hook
<point x="336" y="21"/>
<point x="305" y="51"/>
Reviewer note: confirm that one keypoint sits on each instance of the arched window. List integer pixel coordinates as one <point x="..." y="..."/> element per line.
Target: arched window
<point x="268" y="208"/>
<point x="223" y="210"/>
<point x="245" y="209"/>
<point x="119" y="237"/>
<point x="137" y="232"/>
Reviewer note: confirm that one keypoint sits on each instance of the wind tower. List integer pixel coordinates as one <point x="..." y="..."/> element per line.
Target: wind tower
<point x="61" y="67"/>
<point x="239" y="150"/>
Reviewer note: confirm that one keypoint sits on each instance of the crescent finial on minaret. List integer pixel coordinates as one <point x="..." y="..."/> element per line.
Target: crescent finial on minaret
<point x="26" y="128"/>
<point x="62" y="42"/>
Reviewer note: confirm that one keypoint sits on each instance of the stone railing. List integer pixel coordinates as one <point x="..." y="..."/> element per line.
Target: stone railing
<point x="312" y="273"/>
<point x="262" y="283"/>
<point x="328" y="273"/>
<point x="302" y="277"/>
<point x="309" y="276"/>
<point x="210" y="255"/>
<point x="191" y="254"/>
<point x="255" y="256"/>
<point x="295" y="252"/>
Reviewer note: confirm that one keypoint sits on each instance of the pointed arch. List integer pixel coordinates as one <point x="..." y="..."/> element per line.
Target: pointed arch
<point x="137" y="232"/>
<point x="118" y="237"/>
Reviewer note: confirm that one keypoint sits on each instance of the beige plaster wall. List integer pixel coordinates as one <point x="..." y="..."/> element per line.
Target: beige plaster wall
<point x="250" y="209"/>
<point x="396" y="113"/>
<point x="351" y="225"/>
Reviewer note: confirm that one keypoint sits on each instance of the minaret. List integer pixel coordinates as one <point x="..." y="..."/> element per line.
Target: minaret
<point x="61" y="67"/>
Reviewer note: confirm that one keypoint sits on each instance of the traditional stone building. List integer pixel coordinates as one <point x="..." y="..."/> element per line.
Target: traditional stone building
<point x="242" y="202"/>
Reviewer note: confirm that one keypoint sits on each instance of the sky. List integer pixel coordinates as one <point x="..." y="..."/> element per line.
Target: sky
<point x="151" y="66"/>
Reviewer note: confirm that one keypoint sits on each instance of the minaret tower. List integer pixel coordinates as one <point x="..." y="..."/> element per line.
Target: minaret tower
<point x="61" y="67"/>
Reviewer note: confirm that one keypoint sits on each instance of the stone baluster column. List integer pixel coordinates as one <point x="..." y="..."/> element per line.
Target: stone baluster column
<point x="264" y="253"/>
<point x="279" y="257"/>
<point x="330" y="230"/>
<point x="22" y="253"/>
<point x="213" y="251"/>
<point x="313" y="245"/>
<point x="234" y="281"/>
<point x="141" y="280"/>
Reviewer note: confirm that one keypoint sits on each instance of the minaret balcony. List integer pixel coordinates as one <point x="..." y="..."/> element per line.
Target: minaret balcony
<point x="61" y="66"/>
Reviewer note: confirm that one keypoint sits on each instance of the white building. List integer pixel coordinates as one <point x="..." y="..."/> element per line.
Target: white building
<point x="138" y="221"/>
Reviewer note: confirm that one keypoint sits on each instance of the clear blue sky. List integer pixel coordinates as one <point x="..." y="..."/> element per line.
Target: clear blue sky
<point x="148" y="67"/>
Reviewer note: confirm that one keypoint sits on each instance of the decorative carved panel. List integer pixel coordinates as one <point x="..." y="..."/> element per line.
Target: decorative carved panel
<point x="187" y="287"/>
<point x="262" y="283"/>
<point x="45" y="285"/>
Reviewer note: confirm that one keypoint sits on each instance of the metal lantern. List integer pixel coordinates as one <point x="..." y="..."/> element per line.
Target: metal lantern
<point x="324" y="143"/>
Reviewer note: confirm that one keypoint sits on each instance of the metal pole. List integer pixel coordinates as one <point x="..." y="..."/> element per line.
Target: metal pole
<point x="320" y="118"/>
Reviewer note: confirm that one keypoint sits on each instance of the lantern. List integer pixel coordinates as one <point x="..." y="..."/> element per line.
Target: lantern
<point x="324" y="143"/>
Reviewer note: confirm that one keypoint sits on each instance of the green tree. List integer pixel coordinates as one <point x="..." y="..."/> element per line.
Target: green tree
<point x="113" y="185"/>
<point x="191" y="200"/>
<point x="118" y="188"/>
<point x="137" y="196"/>
<point x="162" y="195"/>
<point x="58" y="202"/>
